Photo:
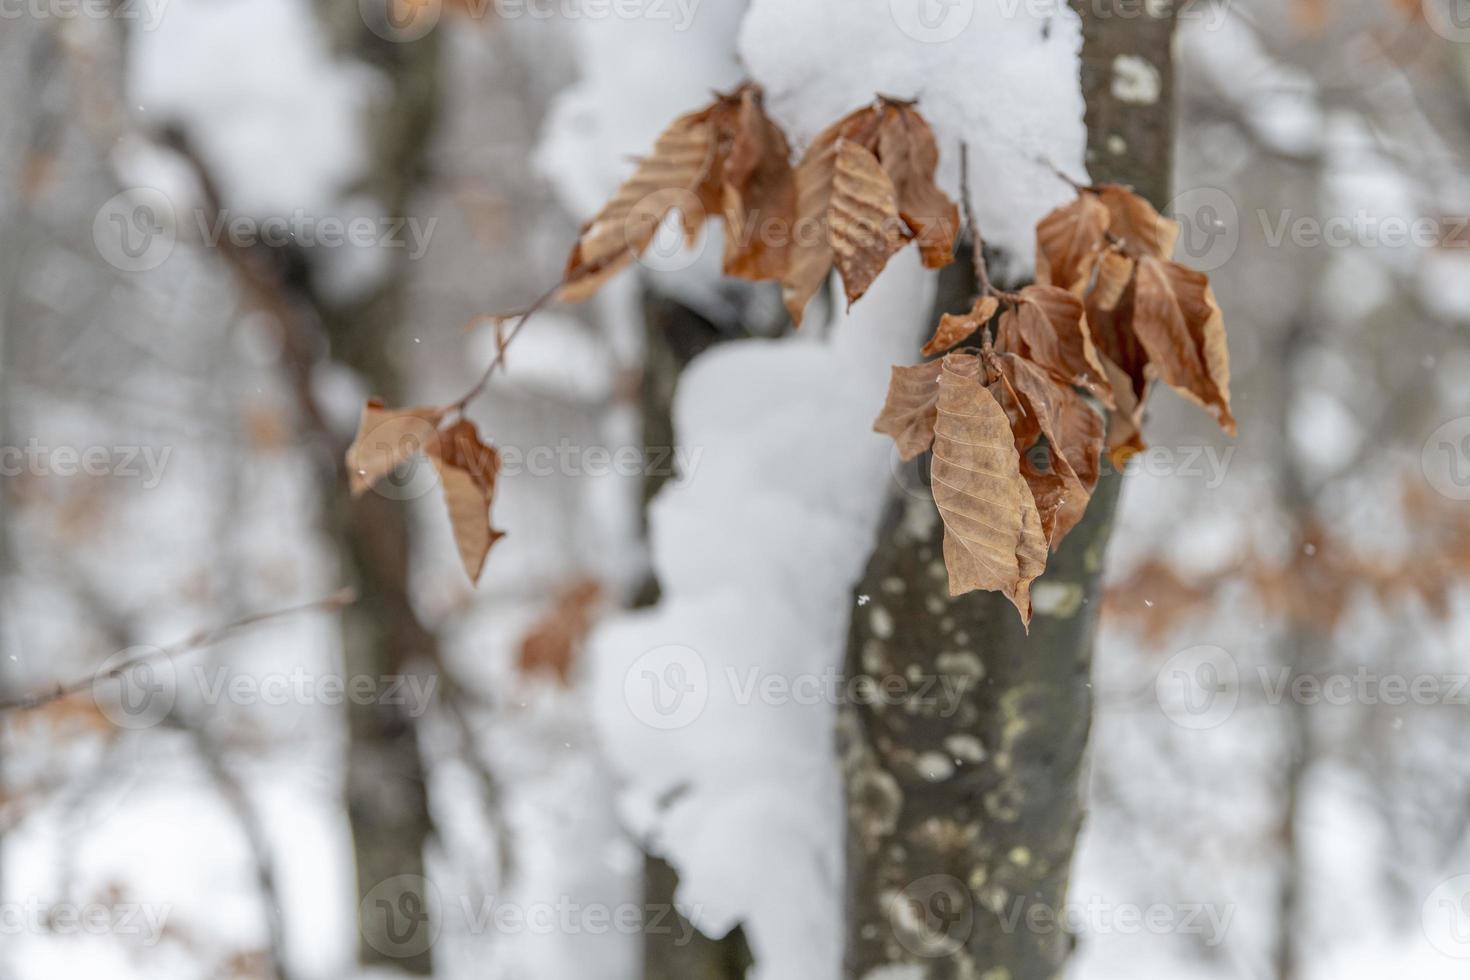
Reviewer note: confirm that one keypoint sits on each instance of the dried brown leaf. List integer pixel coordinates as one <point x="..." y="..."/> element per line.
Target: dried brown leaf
<point x="1179" y="324"/>
<point x="1114" y="273"/>
<point x="1049" y="327"/>
<point x="1068" y="240"/>
<point x="668" y="179"/>
<point x="1134" y="221"/>
<point x="467" y="472"/>
<point x="553" y="642"/>
<point x="910" y="156"/>
<point x="758" y="197"/>
<point x="1063" y="473"/>
<point x="992" y="529"/>
<point x="863" y="220"/>
<point x="954" y="328"/>
<point x="388" y="438"/>
<point x="908" y="414"/>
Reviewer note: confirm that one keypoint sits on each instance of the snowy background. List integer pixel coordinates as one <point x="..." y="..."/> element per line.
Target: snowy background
<point x="1307" y="137"/>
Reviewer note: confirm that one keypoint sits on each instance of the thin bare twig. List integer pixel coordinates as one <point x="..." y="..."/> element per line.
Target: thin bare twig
<point x="977" y="244"/>
<point x="36" y="699"/>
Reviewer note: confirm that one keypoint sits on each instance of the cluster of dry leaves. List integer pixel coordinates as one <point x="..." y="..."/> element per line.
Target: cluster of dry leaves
<point x="1015" y="436"/>
<point x="862" y="191"/>
<point x="1016" y="443"/>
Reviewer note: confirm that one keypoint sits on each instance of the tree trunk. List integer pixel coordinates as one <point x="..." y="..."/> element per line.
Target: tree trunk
<point x="963" y="801"/>
<point x="387" y="801"/>
<point x="674" y="336"/>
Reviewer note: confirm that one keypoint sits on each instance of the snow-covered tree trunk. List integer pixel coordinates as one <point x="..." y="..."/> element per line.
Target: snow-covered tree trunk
<point x="963" y="798"/>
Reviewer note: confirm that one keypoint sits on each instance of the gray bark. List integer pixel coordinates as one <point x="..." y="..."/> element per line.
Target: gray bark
<point x="963" y="812"/>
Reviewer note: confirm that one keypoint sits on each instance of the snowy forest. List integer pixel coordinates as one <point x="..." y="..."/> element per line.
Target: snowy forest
<point x="735" y="489"/>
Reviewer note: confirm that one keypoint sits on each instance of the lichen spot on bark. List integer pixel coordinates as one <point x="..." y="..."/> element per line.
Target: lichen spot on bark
<point x="1059" y="600"/>
<point x="1135" y="80"/>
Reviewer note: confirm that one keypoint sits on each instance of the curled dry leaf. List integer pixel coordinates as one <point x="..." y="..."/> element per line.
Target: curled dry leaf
<point x="727" y="159"/>
<point x="467" y="468"/>
<point x="863" y="218"/>
<point x="910" y="156"/>
<point x="992" y="529"/>
<point x="668" y="179"/>
<point x="855" y="216"/>
<point x="1180" y="325"/>
<point x="467" y="471"/>
<point x="1049" y="327"/>
<point x="909" y="413"/>
<point x="1135" y="222"/>
<point x="1114" y="273"/>
<point x="758" y="191"/>
<point x="1063" y="472"/>
<point x="954" y="329"/>
<point x="388" y="438"/>
<point x="553" y="642"/>
<point x="1068" y="241"/>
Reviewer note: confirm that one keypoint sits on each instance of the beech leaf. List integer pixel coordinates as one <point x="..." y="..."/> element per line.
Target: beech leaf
<point x="386" y="439"/>
<point x="1067" y="241"/>
<point x="863" y="220"/>
<point x="992" y="529"/>
<point x="1179" y="324"/>
<point x="910" y="156"/>
<point x="467" y="472"/>
<point x="955" y="328"/>
<point x="1062" y="482"/>
<point x="1049" y="326"/>
<point x="908" y="414"/>
<point x="758" y="197"/>
<point x="668" y="179"/>
<point x="1135" y="221"/>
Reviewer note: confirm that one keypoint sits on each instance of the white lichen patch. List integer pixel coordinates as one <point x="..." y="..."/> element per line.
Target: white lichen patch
<point x="966" y="748"/>
<point x="881" y="622"/>
<point x="893" y="585"/>
<point x="1117" y="145"/>
<point x="1135" y="80"/>
<point x="934" y="766"/>
<point x="919" y="517"/>
<point x="898" y="971"/>
<point x="961" y="665"/>
<point x="1020" y="856"/>
<point x="1060" y="600"/>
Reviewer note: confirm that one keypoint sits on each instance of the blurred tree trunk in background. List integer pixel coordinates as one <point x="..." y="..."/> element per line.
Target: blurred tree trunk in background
<point x="963" y="815"/>
<point x="387" y="800"/>
<point x="674" y="336"/>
